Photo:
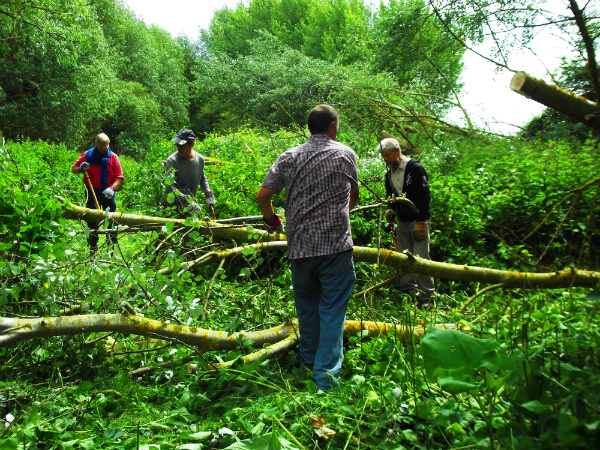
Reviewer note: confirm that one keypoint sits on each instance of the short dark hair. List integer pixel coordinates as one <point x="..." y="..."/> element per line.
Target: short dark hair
<point x="320" y="117"/>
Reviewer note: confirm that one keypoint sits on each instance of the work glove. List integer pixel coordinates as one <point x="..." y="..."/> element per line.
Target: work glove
<point x="276" y="224"/>
<point x="210" y="198"/>
<point x="420" y="231"/>
<point x="83" y="166"/>
<point x="390" y="216"/>
<point x="181" y="200"/>
<point x="194" y="207"/>
<point x="109" y="192"/>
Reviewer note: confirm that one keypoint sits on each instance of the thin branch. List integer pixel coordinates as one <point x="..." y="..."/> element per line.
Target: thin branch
<point x="480" y="293"/>
<point x="592" y="65"/>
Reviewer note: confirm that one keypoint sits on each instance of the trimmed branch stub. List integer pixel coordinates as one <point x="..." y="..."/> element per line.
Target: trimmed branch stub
<point x="575" y="106"/>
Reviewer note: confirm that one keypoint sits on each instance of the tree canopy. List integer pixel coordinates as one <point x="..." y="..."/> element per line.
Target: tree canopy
<point x="69" y="70"/>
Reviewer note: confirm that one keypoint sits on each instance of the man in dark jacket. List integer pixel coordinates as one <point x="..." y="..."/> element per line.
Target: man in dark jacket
<point x="407" y="176"/>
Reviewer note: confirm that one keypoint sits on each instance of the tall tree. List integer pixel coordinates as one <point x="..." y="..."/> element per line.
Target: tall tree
<point x="51" y="57"/>
<point x="151" y="66"/>
<point x="337" y="30"/>
<point x="410" y="45"/>
<point x="403" y="43"/>
<point x="333" y="30"/>
<point x="260" y="88"/>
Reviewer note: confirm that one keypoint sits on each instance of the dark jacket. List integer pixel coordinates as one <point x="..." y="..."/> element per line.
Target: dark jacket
<point x="416" y="188"/>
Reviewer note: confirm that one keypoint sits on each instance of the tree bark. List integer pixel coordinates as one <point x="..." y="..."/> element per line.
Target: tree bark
<point x="204" y="227"/>
<point x="572" y="105"/>
<point x="509" y="279"/>
<point x="403" y="261"/>
<point x="18" y="330"/>
<point x="588" y="41"/>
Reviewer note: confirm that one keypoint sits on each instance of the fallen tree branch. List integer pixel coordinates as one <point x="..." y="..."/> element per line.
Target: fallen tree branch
<point x="17" y="330"/>
<point x="401" y="261"/>
<point x="409" y="263"/>
<point x="478" y="294"/>
<point x="204" y="227"/>
<point x="281" y="337"/>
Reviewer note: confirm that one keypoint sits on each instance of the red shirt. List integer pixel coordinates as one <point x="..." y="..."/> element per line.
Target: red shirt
<point x="114" y="171"/>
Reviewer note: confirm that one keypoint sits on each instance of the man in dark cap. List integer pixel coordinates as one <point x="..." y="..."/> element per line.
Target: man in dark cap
<point x="188" y="168"/>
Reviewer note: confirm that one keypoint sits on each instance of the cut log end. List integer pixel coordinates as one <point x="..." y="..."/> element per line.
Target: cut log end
<point x="518" y="81"/>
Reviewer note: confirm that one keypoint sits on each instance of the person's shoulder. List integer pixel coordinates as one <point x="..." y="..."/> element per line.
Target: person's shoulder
<point x="412" y="162"/>
<point x="171" y="160"/>
<point x="346" y="150"/>
<point x="289" y="153"/>
<point x="415" y="164"/>
<point x="341" y="146"/>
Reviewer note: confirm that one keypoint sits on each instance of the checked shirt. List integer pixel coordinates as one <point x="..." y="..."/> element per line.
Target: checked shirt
<point x="317" y="176"/>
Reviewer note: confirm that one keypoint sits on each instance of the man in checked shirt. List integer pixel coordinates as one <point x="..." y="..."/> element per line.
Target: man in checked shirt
<point x="320" y="178"/>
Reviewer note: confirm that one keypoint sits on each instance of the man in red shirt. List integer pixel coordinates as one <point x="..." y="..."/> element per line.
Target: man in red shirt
<point x="100" y="166"/>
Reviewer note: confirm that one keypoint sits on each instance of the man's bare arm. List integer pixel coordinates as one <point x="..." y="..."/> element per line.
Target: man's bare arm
<point x="353" y="198"/>
<point x="263" y="198"/>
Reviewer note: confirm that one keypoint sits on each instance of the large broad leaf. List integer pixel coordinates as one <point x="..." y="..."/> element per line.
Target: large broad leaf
<point x="456" y="357"/>
<point x="536" y="407"/>
<point x="455" y="386"/>
<point x="267" y="442"/>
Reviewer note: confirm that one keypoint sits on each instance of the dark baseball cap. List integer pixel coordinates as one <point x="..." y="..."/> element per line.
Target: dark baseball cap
<point x="184" y="136"/>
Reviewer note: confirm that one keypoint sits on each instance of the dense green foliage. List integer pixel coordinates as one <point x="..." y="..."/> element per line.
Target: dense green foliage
<point x="531" y="380"/>
<point x="72" y="70"/>
<point x="522" y="374"/>
<point x="268" y="62"/>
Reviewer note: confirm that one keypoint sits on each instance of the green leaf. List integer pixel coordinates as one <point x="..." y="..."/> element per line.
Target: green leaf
<point x="113" y="434"/>
<point x="201" y="400"/>
<point x="266" y="442"/>
<point x="201" y="435"/>
<point x="451" y="349"/>
<point x="536" y="407"/>
<point x="455" y="386"/>
<point x="10" y="444"/>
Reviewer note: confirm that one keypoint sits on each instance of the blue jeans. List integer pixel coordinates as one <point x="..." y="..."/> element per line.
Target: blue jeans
<point x="322" y="287"/>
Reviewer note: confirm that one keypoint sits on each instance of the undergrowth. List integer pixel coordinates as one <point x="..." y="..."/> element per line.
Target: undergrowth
<point x="522" y="373"/>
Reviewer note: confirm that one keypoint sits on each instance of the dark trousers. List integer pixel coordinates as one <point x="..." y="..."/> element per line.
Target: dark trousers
<point x="104" y="204"/>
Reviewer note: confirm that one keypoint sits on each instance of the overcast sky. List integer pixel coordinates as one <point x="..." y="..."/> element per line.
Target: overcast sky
<point x="486" y="94"/>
